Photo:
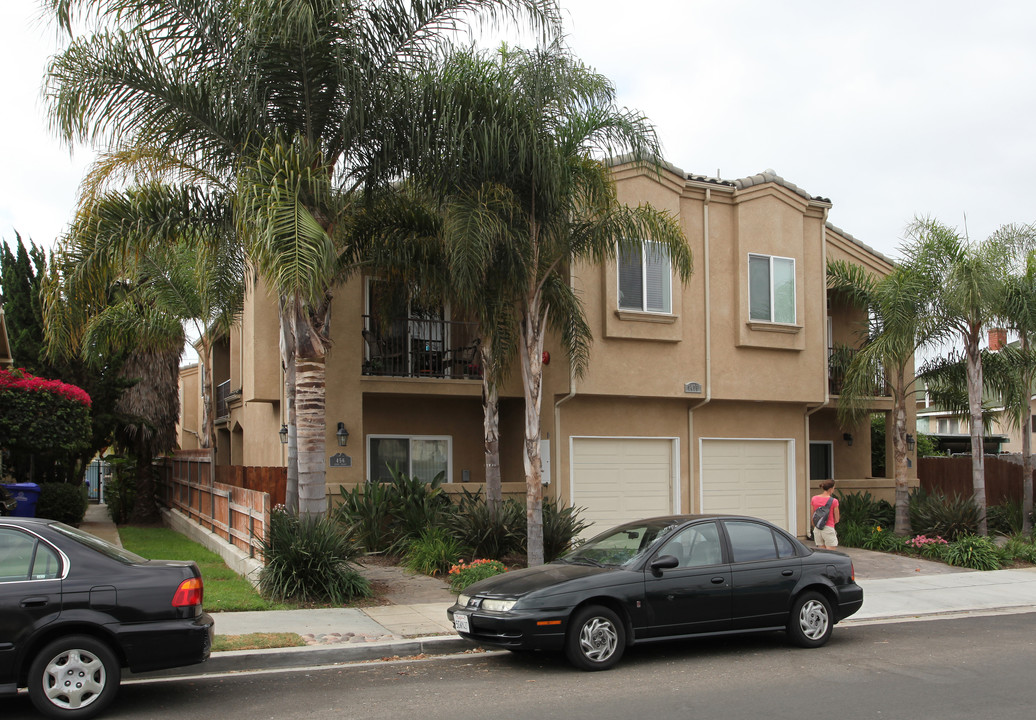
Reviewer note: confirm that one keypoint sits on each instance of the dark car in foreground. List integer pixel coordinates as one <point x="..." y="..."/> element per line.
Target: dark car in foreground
<point x="659" y="579"/>
<point x="75" y="610"/>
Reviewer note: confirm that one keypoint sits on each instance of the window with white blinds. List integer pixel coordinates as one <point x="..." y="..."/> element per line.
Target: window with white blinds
<point x="645" y="279"/>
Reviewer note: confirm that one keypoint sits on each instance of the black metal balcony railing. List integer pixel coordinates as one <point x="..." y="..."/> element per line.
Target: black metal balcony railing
<point x="838" y="364"/>
<point x="222" y="399"/>
<point x="421" y="347"/>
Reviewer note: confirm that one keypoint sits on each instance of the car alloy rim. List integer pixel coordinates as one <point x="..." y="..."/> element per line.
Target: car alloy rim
<point x="813" y="619"/>
<point x="74" y="679"/>
<point x="598" y="639"/>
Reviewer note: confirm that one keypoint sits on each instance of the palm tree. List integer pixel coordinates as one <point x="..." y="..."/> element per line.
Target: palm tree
<point x="526" y="168"/>
<point x="278" y="92"/>
<point x="898" y="326"/>
<point x="968" y="282"/>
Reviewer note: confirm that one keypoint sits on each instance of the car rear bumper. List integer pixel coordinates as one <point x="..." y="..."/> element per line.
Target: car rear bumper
<point x="515" y="631"/>
<point x="160" y="645"/>
<point x="850" y="600"/>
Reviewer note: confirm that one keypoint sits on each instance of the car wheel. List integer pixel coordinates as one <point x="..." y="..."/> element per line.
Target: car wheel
<point x="596" y="639"/>
<point x="811" y="621"/>
<point x="74" y="677"/>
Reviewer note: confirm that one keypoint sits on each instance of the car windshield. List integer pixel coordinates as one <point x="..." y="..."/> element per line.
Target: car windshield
<point x="620" y="546"/>
<point x="101" y="546"/>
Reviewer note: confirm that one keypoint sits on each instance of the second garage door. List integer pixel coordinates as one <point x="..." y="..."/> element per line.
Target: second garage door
<point x="746" y="477"/>
<point x="621" y="479"/>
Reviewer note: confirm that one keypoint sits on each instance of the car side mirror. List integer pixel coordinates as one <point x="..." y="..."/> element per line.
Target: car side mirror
<point x="664" y="562"/>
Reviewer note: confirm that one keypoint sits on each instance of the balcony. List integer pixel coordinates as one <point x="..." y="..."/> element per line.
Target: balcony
<point x="223" y="395"/>
<point x="421" y="347"/>
<point x="838" y="362"/>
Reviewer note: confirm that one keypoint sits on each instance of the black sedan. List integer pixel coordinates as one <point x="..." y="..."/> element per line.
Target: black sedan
<point x="75" y="610"/>
<point x="659" y="579"/>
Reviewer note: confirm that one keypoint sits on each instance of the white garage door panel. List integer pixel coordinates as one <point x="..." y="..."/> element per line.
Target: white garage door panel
<point x="746" y="477"/>
<point x="621" y="479"/>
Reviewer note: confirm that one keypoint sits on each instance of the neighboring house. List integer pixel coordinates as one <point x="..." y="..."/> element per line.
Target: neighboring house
<point x="6" y="360"/>
<point x="714" y="396"/>
<point x="952" y="432"/>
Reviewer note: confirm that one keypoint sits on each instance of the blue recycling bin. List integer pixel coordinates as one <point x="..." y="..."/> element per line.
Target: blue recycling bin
<point x="25" y="496"/>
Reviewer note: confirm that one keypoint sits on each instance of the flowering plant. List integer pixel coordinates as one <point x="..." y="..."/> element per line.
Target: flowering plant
<point x="22" y="380"/>
<point x="463" y="574"/>
<point x="920" y="541"/>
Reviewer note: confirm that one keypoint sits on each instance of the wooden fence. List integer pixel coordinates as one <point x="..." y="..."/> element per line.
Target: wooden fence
<point x="239" y="515"/>
<point x="952" y="476"/>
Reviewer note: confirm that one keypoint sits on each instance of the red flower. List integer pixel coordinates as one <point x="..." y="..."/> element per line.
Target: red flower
<point x="22" y="380"/>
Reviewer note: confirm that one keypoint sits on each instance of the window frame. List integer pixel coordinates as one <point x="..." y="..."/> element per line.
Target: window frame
<point x="410" y="454"/>
<point x="668" y="304"/>
<point x="770" y="279"/>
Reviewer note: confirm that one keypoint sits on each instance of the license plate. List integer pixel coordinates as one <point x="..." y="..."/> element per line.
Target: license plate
<point x="460" y="623"/>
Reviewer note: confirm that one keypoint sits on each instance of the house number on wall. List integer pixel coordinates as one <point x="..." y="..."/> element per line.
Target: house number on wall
<point x="341" y="460"/>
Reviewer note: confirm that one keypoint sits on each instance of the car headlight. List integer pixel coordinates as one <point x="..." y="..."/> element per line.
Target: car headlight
<point x="498" y="605"/>
<point x="463" y="600"/>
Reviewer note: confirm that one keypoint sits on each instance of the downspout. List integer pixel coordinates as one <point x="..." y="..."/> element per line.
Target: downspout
<point x="708" y="352"/>
<point x="810" y="410"/>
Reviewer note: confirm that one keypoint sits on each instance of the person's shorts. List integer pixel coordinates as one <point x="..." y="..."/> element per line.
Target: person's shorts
<point x="826" y="536"/>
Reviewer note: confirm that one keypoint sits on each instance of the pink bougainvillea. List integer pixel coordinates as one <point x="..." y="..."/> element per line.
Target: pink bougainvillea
<point x="22" y="380"/>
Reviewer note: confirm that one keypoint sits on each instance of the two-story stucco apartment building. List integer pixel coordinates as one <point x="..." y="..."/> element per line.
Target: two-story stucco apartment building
<point x="709" y="396"/>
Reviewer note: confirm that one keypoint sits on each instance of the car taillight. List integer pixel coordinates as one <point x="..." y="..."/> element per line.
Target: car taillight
<point x="852" y="572"/>
<point x="189" y="593"/>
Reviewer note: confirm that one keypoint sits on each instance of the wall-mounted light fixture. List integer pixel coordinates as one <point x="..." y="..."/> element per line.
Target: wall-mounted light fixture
<point x="911" y="443"/>
<point x="848" y="437"/>
<point x="283" y="432"/>
<point x="342" y="434"/>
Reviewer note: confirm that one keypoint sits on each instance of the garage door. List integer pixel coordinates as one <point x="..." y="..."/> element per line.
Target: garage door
<point x="621" y="479"/>
<point x="746" y="477"/>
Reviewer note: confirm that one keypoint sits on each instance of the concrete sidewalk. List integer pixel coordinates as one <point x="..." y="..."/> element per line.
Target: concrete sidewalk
<point x="896" y="588"/>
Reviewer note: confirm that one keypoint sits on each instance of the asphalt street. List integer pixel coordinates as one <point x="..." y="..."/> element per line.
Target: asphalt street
<point x="947" y="669"/>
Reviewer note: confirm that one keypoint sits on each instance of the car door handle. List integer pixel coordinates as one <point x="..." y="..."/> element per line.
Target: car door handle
<point x="787" y="573"/>
<point x="718" y="580"/>
<point x="33" y="602"/>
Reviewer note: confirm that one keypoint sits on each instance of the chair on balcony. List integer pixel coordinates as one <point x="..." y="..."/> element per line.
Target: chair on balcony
<point x="464" y="361"/>
<point x="380" y="359"/>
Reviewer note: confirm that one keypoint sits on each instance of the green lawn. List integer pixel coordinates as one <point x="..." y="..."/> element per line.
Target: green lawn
<point x="225" y="590"/>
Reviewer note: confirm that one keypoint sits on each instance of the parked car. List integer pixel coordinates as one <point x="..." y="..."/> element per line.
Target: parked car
<point x="659" y="579"/>
<point x="75" y="610"/>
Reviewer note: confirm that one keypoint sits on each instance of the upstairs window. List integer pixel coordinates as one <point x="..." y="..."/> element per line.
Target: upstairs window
<point x="771" y="288"/>
<point x="645" y="279"/>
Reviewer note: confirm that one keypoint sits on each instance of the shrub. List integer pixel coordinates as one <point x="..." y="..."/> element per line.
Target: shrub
<point x="936" y="514"/>
<point x="433" y="552"/>
<point x="864" y="510"/>
<point x="852" y="534"/>
<point x="63" y="502"/>
<point x="463" y="574"/>
<point x="481" y="532"/>
<point x="120" y="490"/>
<point x="1005" y="519"/>
<point x="561" y="525"/>
<point x="972" y="551"/>
<point x="308" y="560"/>
<point x="386" y="517"/>
<point x="884" y="540"/>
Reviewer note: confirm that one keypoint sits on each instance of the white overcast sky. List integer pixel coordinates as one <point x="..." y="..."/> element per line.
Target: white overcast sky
<point x="891" y="109"/>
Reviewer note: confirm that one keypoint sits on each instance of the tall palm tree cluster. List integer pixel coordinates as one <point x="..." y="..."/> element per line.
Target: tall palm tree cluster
<point x="300" y="141"/>
<point x="946" y="292"/>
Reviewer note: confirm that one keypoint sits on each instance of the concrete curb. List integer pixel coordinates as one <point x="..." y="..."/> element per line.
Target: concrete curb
<point x="286" y="658"/>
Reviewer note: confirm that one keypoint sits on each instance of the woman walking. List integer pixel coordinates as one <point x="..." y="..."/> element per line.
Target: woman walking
<point x="825" y="537"/>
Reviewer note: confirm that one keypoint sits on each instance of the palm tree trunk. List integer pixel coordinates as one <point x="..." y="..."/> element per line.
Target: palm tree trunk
<point x="899" y="453"/>
<point x="287" y="347"/>
<point x="1026" y="442"/>
<point x="491" y="429"/>
<point x="310" y="424"/>
<point x="978" y="469"/>
<point x="532" y="382"/>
